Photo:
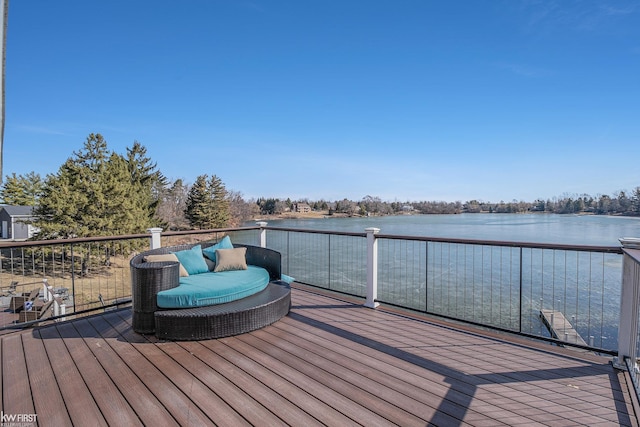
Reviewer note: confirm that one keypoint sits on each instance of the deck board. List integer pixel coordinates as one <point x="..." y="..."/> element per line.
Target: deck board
<point x="176" y="403"/>
<point x="305" y="397"/>
<point x="79" y="401"/>
<point x="109" y="398"/>
<point x="44" y="387"/>
<point x="143" y="403"/>
<point x="15" y="381"/>
<point x="328" y="363"/>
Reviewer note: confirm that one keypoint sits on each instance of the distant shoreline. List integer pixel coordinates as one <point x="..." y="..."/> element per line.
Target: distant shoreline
<point x="325" y="214"/>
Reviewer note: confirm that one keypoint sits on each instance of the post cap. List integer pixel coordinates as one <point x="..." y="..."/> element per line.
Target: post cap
<point x="630" y="242"/>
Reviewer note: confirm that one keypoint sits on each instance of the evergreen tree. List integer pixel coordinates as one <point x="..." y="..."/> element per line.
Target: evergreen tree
<point x="635" y="201"/>
<point x="96" y="193"/>
<point x="220" y="214"/>
<point x="21" y="190"/>
<point x="624" y="203"/>
<point x="197" y="208"/>
<point x="147" y="187"/>
<point x="207" y="204"/>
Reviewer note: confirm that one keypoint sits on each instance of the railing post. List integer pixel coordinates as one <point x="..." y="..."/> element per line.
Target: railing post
<point x="629" y="304"/>
<point x="156" y="242"/>
<point x="263" y="233"/>
<point x="45" y="290"/>
<point x="372" y="267"/>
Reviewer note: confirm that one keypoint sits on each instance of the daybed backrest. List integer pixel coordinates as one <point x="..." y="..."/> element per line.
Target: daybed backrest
<point x="268" y="259"/>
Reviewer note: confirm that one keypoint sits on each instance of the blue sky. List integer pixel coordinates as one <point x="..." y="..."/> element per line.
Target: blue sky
<point x="404" y="100"/>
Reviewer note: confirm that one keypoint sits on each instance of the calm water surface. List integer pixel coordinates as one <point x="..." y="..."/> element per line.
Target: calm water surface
<point x="538" y="228"/>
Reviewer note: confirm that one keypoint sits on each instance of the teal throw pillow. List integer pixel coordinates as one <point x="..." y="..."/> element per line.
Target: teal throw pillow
<point x="210" y="252"/>
<point x="192" y="261"/>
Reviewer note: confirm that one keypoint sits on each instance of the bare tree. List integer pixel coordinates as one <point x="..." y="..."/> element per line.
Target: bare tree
<point x="241" y="210"/>
<point x="172" y="205"/>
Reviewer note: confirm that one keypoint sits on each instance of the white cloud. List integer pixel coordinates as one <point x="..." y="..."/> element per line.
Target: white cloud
<point x="525" y="70"/>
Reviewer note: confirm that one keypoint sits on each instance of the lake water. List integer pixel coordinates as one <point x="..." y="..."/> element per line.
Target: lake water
<point x="538" y="228"/>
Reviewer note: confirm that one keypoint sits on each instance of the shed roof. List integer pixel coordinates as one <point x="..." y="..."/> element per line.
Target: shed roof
<point x="13" y="210"/>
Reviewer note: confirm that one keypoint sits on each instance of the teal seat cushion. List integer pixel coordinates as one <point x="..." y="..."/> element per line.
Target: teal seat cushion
<point x="210" y="288"/>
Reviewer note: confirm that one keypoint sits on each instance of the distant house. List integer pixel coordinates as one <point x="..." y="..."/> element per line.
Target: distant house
<point x="303" y="208"/>
<point x="13" y="220"/>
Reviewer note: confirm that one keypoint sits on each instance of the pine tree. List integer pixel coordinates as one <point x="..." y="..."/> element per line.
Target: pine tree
<point x="96" y="193"/>
<point x="197" y="207"/>
<point x="21" y="190"/>
<point x="147" y="186"/>
<point x="635" y="201"/>
<point x="220" y="214"/>
<point x="207" y="204"/>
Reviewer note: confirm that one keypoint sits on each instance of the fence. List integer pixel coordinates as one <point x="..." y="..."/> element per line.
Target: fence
<point x="560" y="293"/>
<point x="77" y="276"/>
<point x="570" y="295"/>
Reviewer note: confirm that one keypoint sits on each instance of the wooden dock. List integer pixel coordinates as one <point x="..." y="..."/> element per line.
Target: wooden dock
<point x="560" y="327"/>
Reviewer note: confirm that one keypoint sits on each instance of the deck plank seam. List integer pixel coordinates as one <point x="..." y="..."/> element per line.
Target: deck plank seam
<point x="151" y="340"/>
<point x="237" y="356"/>
<point x="337" y="374"/>
<point x="105" y="386"/>
<point x="214" y="361"/>
<point x="289" y="372"/>
<point x="52" y="338"/>
<point x="132" y="347"/>
<point x="36" y="350"/>
<point x="380" y="378"/>
<point x="230" y="401"/>
<point x="125" y="366"/>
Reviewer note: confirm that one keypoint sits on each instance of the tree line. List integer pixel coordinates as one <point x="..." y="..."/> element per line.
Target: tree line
<point x="620" y="203"/>
<point x="98" y="192"/>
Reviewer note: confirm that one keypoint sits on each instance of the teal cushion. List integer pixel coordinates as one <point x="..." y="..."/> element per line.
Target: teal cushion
<point x="210" y="252"/>
<point x="192" y="260"/>
<point x="214" y="288"/>
<point x="286" y="278"/>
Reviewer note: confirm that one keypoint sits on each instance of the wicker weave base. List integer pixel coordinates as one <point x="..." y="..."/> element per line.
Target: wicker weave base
<point x="147" y="280"/>
<point x="222" y="320"/>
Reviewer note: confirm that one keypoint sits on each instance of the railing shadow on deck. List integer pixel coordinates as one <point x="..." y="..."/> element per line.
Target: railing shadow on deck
<point x="458" y="379"/>
<point x="58" y="330"/>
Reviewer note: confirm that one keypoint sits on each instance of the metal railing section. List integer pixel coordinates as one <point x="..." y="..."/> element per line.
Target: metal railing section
<point x="81" y="275"/>
<point x="569" y="295"/>
<point x="506" y="287"/>
<point x="501" y="285"/>
<point x="334" y="261"/>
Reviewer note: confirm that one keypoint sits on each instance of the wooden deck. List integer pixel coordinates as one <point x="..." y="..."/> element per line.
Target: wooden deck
<point x="329" y="362"/>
